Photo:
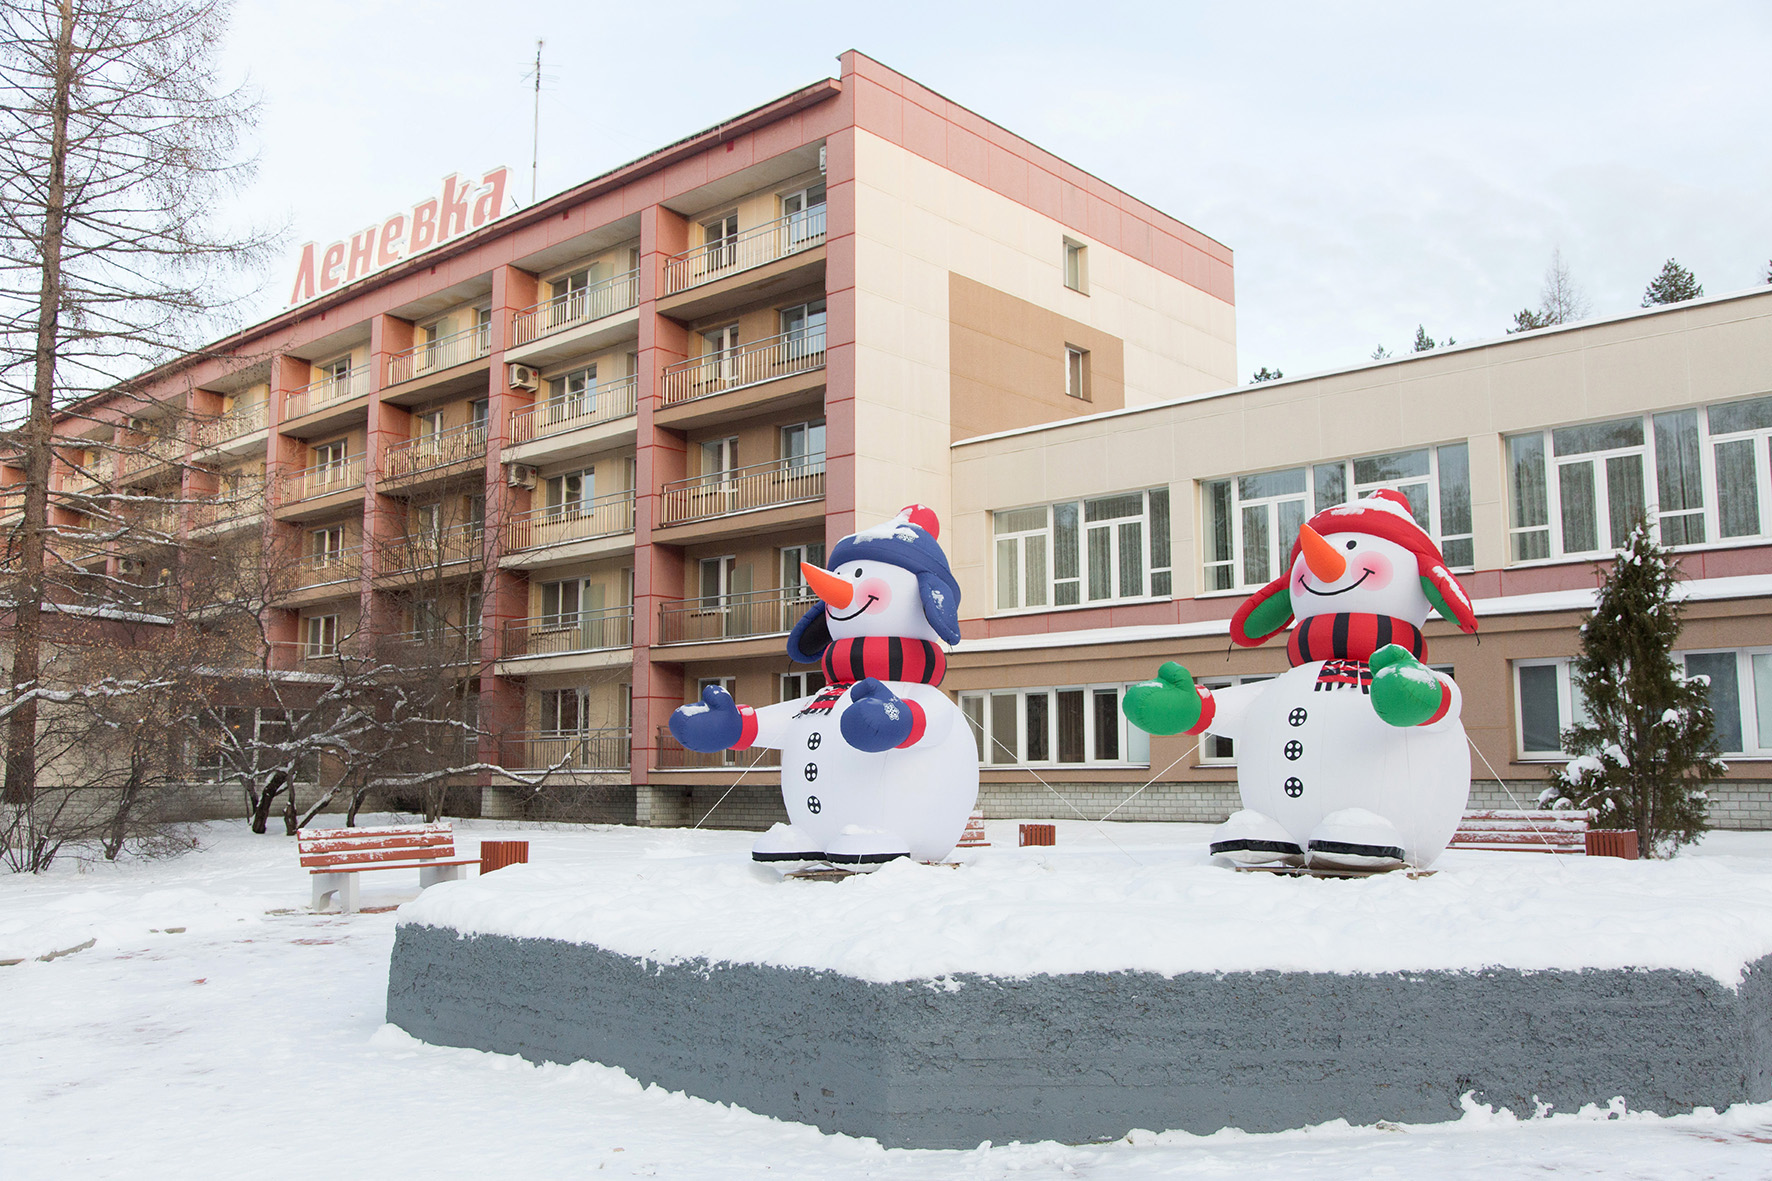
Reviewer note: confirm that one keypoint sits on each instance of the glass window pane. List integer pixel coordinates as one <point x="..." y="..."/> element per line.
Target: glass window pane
<point x="1455" y="490"/>
<point x="1111" y="508"/>
<point x="1008" y="591"/>
<point x="1101" y="569"/>
<point x="1382" y="469"/>
<point x="1218" y="521"/>
<point x="1138" y="747"/>
<point x="1540" y="720"/>
<point x="1763" y="698"/>
<point x="1131" y="558"/>
<point x="1526" y="462"/>
<point x="1162" y="584"/>
<point x="1575" y="482"/>
<point x="1020" y="520"/>
<point x="1067" y="594"/>
<point x="1597" y="436"/>
<point x="1070" y="725"/>
<point x="1416" y="494"/>
<point x="1738" y="489"/>
<point x="1286" y="483"/>
<point x="973" y="707"/>
<point x="1330" y="480"/>
<point x="1039" y="730"/>
<point x="1463" y="552"/>
<point x="1064" y="541"/>
<point x="1624" y="495"/>
<point x="1107" y="724"/>
<point x="1159" y="499"/>
<point x="1725" y="694"/>
<point x="1033" y="554"/>
<point x="1291" y="517"/>
<point x="1003" y="719"/>
<point x="1741" y="416"/>
<point x="1679" y="488"/>
<point x="1255" y="545"/>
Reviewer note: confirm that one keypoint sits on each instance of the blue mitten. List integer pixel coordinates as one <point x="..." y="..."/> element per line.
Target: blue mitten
<point x="877" y="718"/>
<point x="713" y="725"/>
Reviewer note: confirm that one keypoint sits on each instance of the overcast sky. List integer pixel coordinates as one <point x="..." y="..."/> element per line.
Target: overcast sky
<point x="1374" y="166"/>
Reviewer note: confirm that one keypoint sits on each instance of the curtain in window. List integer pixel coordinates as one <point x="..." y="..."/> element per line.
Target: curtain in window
<point x="1004" y="748"/>
<point x="1575" y="487"/>
<point x="1679" y="487"/>
<point x="1625" y="503"/>
<point x="1724" y="693"/>
<point x="1531" y="500"/>
<point x="1038" y="727"/>
<point x="1070" y="725"/>
<point x="1738" y="489"/>
<point x="1540" y="717"/>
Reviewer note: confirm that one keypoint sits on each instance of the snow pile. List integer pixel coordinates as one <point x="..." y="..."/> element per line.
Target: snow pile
<point x="1134" y="897"/>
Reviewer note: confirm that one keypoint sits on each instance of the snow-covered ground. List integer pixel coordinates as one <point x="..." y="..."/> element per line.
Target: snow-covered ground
<point x="217" y="1028"/>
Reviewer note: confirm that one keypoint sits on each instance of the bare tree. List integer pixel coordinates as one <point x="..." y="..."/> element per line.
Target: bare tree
<point x="117" y="143"/>
<point x="1560" y="300"/>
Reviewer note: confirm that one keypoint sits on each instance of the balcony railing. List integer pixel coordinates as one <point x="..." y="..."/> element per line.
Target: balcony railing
<point x="586" y="750"/>
<point x="242" y="420"/>
<point x="429" y="551"/>
<point x="236" y="507"/>
<point x="557" y="524"/>
<point x="458" y="348"/>
<point x="412" y="456"/>
<point x="604" y="403"/>
<point x="330" y="567"/>
<point x="325" y="392"/>
<point x="728" y="369"/>
<point x="674" y="756"/>
<point x="764" y="244"/>
<point x="149" y="454"/>
<point x="323" y="479"/>
<point x="457" y="645"/>
<point x="576" y="307"/>
<point x="733" y="617"/>
<point x="582" y="631"/>
<point x="763" y="485"/>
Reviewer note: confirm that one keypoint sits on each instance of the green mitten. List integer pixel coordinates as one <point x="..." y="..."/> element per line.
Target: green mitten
<point x="1405" y="692"/>
<point x="1168" y="705"/>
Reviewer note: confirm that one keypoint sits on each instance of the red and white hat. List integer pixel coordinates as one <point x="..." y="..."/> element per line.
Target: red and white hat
<point x="1385" y="514"/>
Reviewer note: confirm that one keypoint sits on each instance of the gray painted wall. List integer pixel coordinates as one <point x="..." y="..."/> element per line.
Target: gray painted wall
<point x="1092" y="1056"/>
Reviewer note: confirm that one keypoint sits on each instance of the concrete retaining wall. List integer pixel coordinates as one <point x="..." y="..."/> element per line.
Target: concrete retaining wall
<point x="1092" y="1056"/>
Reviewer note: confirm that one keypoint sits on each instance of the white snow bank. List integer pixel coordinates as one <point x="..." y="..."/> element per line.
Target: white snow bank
<point x="1137" y="897"/>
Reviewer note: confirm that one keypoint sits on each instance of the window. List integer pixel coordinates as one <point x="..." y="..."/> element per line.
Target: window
<point x="428" y="624"/>
<point x="434" y="334"/>
<point x="717" y="577"/>
<point x="804" y="213"/>
<point x="1216" y="749"/>
<point x="1740" y="692"/>
<point x="479" y="415"/>
<point x="803" y="328"/>
<point x="720" y="237"/>
<point x="1076" y="372"/>
<point x="572" y="394"/>
<point x="569" y="492"/>
<point x="802" y="447"/>
<point x="720" y="354"/>
<point x="1546" y="703"/>
<point x="482" y="329"/>
<point x="329" y="460"/>
<point x="1077" y="726"/>
<point x="337" y="374"/>
<point x="793" y="686"/>
<point x="1104" y="549"/>
<point x="569" y="299"/>
<point x="564" y="711"/>
<point x="326" y="547"/>
<point x="561" y="601"/>
<point x="1076" y="266"/>
<point x="319" y="636"/>
<point x="1740" y="434"/>
<point x="719" y="457"/>
<point x="1251" y="522"/>
<point x="793" y="579"/>
<point x="425" y="523"/>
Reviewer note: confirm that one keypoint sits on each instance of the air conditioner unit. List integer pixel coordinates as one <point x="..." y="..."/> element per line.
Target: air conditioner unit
<point x="521" y="476"/>
<point x="821" y="160"/>
<point x="129" y="567"/>
<point x="524" y="377"/>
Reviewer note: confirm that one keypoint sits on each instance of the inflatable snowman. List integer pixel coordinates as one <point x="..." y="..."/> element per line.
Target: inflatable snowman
<point x="879" y="763"/>
<point x="1356" y="757"/>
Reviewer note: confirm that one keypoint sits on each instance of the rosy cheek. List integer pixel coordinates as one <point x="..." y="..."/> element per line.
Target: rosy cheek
<point x="876" y="589"/>
<point x="1379" y="570"/>
<point x="1298" y="578"/>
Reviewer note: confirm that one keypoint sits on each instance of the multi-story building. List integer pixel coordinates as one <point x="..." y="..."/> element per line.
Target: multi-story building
<point x="593" y="439"/>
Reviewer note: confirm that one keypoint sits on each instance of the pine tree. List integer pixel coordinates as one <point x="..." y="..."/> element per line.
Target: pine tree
<point x="1423" y="342"/>
<point x="1380" y="353"/>
<point x="1675" y="284"/>
<point x="1646" y="752"/>
<point x="1265" y="374"/>
<point x="1768" y="275"/>
<point x="1525" y="320"/>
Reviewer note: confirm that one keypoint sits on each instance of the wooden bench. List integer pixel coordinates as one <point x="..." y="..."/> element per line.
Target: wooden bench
<point x="335" y="856"/>
<point x="1523" y="831"/>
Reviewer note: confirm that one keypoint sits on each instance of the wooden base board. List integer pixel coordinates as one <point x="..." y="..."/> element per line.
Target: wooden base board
<point x="1300" y="871"/>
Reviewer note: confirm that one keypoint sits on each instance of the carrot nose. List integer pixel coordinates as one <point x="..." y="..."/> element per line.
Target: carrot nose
<point x="836" y="592"/>
<point x="1320" y="556"/>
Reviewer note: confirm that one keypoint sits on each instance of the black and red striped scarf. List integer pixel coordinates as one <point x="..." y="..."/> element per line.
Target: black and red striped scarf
<point x="888" y="658"/>
<point x="1350" y="637"/>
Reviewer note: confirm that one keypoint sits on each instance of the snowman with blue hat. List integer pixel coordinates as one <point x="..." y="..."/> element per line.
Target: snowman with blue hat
<point x="879" y="764"/>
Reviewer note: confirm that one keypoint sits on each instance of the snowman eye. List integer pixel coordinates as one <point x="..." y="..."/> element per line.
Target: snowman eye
<point x="1351" y="543"/>
<point x="858" y="571"/>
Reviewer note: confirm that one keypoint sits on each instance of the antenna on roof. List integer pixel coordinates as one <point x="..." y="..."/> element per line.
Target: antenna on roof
<point x="535" y="148"/>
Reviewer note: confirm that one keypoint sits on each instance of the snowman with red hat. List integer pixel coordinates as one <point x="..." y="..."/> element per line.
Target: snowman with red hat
<point x="879" y="764"/>
<point x="1355" y="758"/>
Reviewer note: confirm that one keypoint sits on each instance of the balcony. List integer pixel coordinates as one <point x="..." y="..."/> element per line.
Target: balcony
<point x="441" y="643"/>
<point x="325" y="478"/>
<point x="581" y="751"/>
<point x="426" y="551"/>
<point x="556" y="416"/>
<point x="445" y="352"/>
<point x="674" y="756"/>
<point x="427" y="453"/>
<point x="560" y="635"/>
<point x="742" y="490"/>
<point x="149" y="454"/>
<point x="328" y="391"/>
<point x="555" y="525"/>
<point x="235" y="510"/>
<point x="757" y="247"/>
<point x="575" y="307"/>
<point x="235" y="424"/>
<point x="733" y="617"/>
<point x="329" y="568"/>
<point x="747" y="365"/>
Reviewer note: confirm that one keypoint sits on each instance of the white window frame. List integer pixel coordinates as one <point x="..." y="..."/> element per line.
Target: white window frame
<point x="1132" y="743"/>
<point x="805" y="216"/>
<point x="1756" y="740"/>
<point x="803" y="327"/>
<point x="572" y="393"/>
<point x="1075" y="266"/>
<point x="558" y="503"/>
<point x="1156" y="573"/>
<point x="792" y="579"/>
<point x="793" y="686"/>
<point x="551" y="700"/>
<point x="319" y="636"/>
<point x="1570" y="708"/>
<point x="326" y="546"/>
<point x="1211" y="753"/>
<point x="805" y="435"/>
<point x="1076" y="373"/>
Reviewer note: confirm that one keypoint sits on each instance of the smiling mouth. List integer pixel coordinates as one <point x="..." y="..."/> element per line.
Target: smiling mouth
<point x="1350" y="586"/>
<point x="872" y="599"/>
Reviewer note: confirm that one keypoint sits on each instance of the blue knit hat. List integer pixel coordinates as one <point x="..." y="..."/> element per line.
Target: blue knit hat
<point x="909" y="541"/>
